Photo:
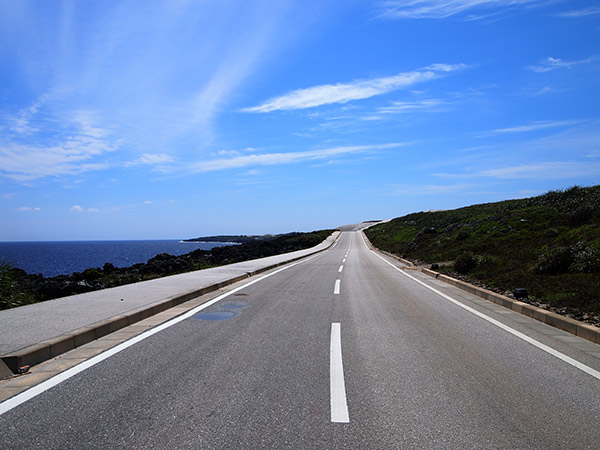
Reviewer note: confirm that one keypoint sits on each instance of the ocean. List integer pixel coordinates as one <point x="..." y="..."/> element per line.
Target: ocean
<point x="63" y="258"/>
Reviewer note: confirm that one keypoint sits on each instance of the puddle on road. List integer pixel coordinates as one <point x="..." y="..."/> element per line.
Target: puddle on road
<point x="227" y="311"/>
<point x="215" y="315"/>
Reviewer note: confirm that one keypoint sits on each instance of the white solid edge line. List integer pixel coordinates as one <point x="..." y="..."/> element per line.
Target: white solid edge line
<point x="336" y="289"/>
<point x="21" y="398"/>
<point x="337" y="387"/>
<point x="538" y="344"/>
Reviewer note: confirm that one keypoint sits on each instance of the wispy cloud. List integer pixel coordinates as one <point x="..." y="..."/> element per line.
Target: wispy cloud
<point x="404" y="107"/>
<point x="28" y="209"/>
<point x="182" y="52"/>
<point x="270" y="159"/>
<point x="79" y="209"/>
<point x="584" y="12"/>
<point x="21" y="122"/>
<point x="437" y="189"/>
<point x="436" y="9"/>
<point x="546" y="170"/>
<point x="74" y="151"/>
<point x="153" y="159"/>
<point x="534" y="126"/>
<point x="345" y="92"/>
<point x="548" y="64"/>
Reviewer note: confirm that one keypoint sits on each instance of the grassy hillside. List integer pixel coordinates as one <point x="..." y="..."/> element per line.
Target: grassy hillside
<point x="548" y="244"/>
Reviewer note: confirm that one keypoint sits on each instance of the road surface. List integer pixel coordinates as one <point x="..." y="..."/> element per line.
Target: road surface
<point x="342" y="350"/>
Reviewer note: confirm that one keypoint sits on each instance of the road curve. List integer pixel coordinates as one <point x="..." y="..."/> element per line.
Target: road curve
<point x="342" y="350"/>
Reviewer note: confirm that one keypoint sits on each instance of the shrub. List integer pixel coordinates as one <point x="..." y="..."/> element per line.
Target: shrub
<point x="91" y="274"/>
<point x="12" y="292"/>
<point x="554" y="261"/>
<point x="485" y="261"/>
<point x="578" y="293"/>
<point x="580" y="216"/>
<point x="465" y="263"/>
<point x="586" y="259"/>
<point x="462" y="235"/>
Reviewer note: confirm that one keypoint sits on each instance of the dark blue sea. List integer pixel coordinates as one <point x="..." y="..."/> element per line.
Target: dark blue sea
<point x="64" y="258"/>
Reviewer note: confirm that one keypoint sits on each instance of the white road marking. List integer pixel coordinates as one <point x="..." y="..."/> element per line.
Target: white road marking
<point x="42" y="387"/>
<point x="336" y="289"/>
<point x="341" y="268"/>
<point x="538" y="344"/>
<point x="337" y="387"/>
<point x="344" y="260"/>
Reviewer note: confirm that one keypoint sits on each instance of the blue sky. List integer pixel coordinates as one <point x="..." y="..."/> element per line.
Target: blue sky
<point x="175" y="119"/>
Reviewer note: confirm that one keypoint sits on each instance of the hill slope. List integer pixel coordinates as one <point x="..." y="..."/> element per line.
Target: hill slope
<point x="548" y="244"/>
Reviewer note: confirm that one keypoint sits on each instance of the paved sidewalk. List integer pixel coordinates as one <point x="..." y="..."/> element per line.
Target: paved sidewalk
<point x="31" y="325"/>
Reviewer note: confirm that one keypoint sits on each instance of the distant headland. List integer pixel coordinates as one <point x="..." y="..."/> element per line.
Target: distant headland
<point x="239" y="239"/>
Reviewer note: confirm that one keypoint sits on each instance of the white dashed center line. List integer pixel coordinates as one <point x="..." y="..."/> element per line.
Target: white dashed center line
<point x="337" y="387"/>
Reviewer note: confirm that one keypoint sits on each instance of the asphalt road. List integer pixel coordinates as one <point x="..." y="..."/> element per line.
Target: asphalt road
<point x="339" y="351"/>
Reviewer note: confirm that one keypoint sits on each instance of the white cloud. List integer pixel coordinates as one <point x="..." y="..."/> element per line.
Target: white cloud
<point x="548" y="64"/>
<point x="228" y="153"/>
<point x="590" y="11"/>
<point x="79" y="209"/>
<point x="226" y="65"/>
<point x="151" y="159"/>
<point x="346" y="92"/>
<point x="20" y="123"/>
<point x="543" y="91"/>
<point x="72" y="152"/>
<point x="84" y="66"/>
<point x="28" y="208"/>
<point x="268" y="159"/>
<point x="545" y="170"/>
<point x="436" y="9"/>
<point x="402" y="107"/>
<point x="443" y="67"/>
<point x="437" y="189"/>
<point x="534" y="126"/>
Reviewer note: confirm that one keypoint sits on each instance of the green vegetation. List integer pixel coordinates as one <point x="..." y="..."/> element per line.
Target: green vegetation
<point x="11" y="287"/>
<point x="19" y="288"/>
<point x="548" y="244"/>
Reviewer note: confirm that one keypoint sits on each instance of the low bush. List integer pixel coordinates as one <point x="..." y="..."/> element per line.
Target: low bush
<point x="554" y="261"/>
<point x="465" y="263"/>
<point x="13" y="287"/>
